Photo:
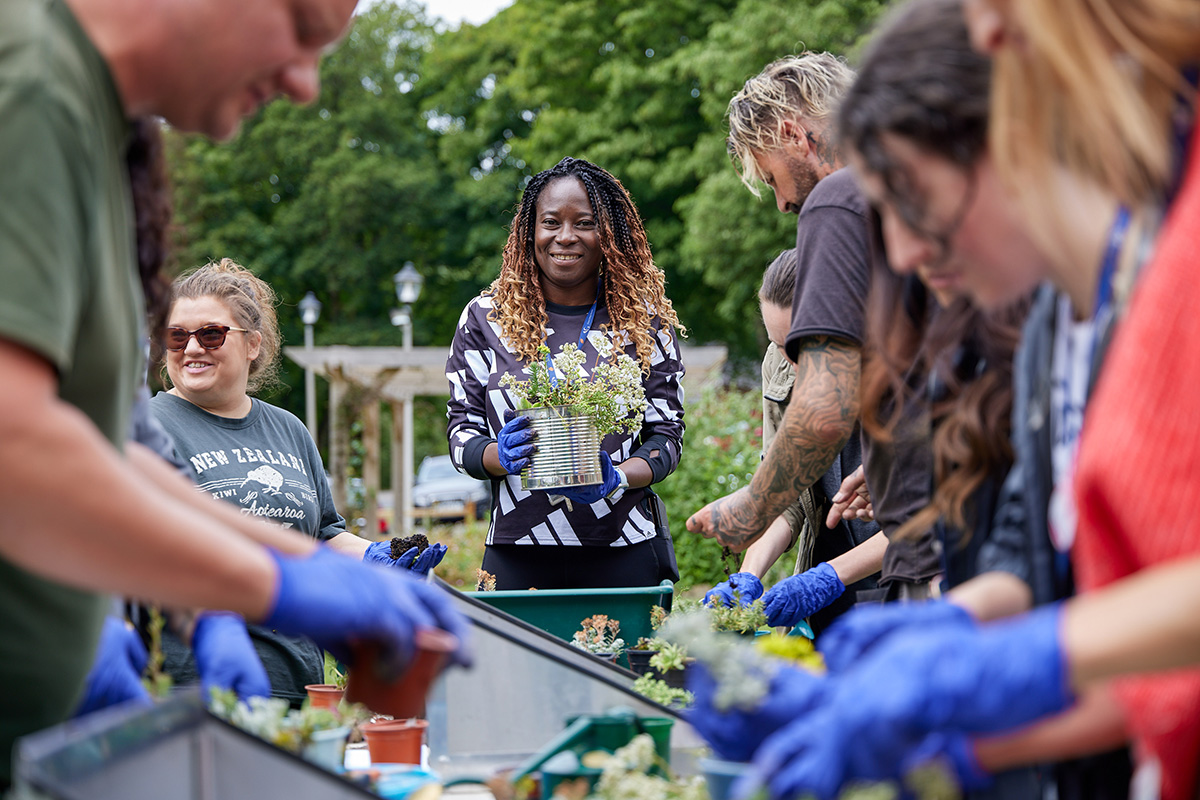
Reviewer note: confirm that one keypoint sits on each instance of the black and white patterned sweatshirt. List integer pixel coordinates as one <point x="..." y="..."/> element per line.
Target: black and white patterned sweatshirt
<point x="479" y="359"/>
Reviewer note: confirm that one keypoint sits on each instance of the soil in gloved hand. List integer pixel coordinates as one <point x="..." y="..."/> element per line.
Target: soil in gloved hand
<point x="402" y="546"/>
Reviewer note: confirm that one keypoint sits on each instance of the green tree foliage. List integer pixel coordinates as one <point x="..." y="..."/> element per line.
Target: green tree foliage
<point x="721" y="450"/>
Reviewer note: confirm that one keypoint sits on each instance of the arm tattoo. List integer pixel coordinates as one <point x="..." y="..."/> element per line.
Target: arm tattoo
<point x="818" y="422"/>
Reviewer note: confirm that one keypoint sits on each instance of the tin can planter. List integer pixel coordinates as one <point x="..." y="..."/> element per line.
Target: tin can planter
<point x="395" y="741"/>
<point x="568" y="449"/>
<point x="399" y="695"/>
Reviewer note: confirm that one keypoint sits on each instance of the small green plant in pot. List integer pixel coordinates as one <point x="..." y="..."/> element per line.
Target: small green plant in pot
<point x="598" y="635"/>
<point x="571" y="410"/>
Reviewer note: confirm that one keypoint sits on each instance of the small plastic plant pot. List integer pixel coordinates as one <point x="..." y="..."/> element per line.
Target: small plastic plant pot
<point x="395" y="741"/>
<point x="402" y="695"/>
<point x="327" y="748"/>
<point x="324" y="695"/>
<point x="639" y="661"/>
<point x="659" y="729"/>
<point x="720" y="776"/>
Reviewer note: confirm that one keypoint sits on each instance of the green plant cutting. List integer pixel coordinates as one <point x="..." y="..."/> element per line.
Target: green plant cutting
<point x="612" y="395"/>
<point x="661" y="692"/>
<point x="598" y="634"/>
<point x="670" y="656"/>
<point x="271" y="719"/>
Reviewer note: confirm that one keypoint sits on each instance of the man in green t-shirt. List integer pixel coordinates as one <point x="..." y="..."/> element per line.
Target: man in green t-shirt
<point x="83" y="514"/>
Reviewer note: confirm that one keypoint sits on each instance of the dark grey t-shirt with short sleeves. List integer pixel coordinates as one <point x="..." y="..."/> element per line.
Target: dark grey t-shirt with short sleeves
<point x="267" y="464"/>
<point x="832" y="267"/>
<point x="832" y="280"/>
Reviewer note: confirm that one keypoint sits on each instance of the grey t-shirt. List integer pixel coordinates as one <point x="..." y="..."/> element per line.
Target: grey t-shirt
<point x="833" y="272"/>
<point x="833" y="276"/>
<point x="266" y="463"/>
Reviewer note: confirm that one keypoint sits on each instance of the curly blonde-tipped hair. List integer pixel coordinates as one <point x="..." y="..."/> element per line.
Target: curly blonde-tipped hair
<point x="634" y="288"/>
<point x="251" y="301"/>
<point x="809" y="85"/>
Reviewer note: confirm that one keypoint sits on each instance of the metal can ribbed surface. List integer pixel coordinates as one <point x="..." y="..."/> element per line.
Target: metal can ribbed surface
<point x="568" y="449"/>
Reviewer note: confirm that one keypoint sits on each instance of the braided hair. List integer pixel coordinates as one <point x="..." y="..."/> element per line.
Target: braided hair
<point x="633" y="287"/>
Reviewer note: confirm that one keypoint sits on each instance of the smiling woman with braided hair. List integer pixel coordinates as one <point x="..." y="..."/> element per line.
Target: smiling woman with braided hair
<point x="576" y="268"/>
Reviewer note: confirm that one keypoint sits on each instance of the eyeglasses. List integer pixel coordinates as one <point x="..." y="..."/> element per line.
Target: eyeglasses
<point x="915" y="217"/>
<point x="210" y="337"/>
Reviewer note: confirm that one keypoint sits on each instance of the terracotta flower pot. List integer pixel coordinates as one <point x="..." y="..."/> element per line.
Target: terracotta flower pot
<point x="402" y="695"/>
<point x="323" y="695"/>
<point x="395" y="741"/>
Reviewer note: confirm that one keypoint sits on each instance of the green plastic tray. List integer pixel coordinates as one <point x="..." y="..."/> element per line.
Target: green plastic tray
<point x="559" y="611"/>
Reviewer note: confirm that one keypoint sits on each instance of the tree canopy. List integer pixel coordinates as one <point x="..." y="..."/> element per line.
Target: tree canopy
<point x="422" y="138"/>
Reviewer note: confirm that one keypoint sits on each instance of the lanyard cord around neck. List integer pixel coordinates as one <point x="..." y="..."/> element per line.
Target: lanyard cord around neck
<point x="587" y="328"/>
<point x="1108" y="267"/>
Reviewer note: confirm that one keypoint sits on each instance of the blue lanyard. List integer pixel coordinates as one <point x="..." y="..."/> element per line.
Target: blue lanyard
<point x="1108" y="267"/>
<point x="587" y="327"/>
<point x="1102" y="312"/>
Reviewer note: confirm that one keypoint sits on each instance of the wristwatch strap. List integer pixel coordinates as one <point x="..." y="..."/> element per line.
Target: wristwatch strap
<point x="620" y="487"/>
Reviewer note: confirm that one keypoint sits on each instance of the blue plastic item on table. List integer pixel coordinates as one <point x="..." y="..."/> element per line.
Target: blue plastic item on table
<point x="721" y="775"/>
<point x="397" y="781"/>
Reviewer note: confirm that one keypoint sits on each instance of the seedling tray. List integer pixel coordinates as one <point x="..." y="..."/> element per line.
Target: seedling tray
<point x="559" y="611"/>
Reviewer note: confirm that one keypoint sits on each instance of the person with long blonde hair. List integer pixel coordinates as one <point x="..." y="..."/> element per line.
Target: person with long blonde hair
<point x="576" y="269"/>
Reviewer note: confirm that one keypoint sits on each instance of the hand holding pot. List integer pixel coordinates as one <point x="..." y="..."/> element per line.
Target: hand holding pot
<point x="334" y="600"/>
<point x="514" y="442"/>
<point x="612" y="478"/>
<point x="794" y="598"/>
<point x="116" y="674"/>
<point x="225" y="656"/>
<point x="742" y="589"/>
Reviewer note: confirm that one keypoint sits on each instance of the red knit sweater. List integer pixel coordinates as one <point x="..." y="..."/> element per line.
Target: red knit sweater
<point x="1138" y="475"/>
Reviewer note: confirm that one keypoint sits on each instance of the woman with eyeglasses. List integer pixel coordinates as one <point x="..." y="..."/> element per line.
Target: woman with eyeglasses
<point x="222" y="344"/>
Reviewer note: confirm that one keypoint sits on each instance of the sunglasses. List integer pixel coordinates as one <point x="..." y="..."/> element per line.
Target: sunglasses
<point x="210" y="337"/>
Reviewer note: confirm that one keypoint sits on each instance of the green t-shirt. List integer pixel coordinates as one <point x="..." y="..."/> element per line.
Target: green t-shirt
<point x="70" y="293"/>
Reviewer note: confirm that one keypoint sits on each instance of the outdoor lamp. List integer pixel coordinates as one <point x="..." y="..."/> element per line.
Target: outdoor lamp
<point x="310" y="309"/>
<point x="408" y="283"/>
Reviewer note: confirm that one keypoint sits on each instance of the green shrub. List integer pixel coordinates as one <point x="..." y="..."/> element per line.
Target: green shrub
<point x="721" y="449"/>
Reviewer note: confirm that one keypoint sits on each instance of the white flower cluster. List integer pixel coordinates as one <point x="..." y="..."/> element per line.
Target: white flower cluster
<point x="743" y="675"/>
<point x="613" y="394"/>
<point x="625" y="776"/>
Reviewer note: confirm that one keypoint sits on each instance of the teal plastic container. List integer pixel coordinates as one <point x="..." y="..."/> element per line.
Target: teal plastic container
<point x="559" y="611"/>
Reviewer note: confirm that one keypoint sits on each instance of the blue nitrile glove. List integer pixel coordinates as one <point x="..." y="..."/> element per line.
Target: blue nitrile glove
<point x="794" y="598"/>
<point x="742" y="589"/>
<point x="334" y="599"/>
<point x="735" y="734"/>
<point x="514" y="442"/>
<point x="948" y="678"/>
<point x="381" y="553"/>
<point x="596" y="491"/>
<point x="116" y="674"/>
<point x="430" y="557"/>
<point x="226" y="658"/>
<point x="863" y="627"/>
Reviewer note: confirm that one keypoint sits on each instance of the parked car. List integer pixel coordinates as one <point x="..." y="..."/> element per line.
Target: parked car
<point x="445" y="490"/>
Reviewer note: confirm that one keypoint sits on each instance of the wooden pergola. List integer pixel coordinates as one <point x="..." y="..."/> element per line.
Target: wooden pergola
<point x="364" y="379"/>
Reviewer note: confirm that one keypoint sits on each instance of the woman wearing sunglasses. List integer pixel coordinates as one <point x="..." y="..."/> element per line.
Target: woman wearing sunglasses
<point x="222" y="344"/>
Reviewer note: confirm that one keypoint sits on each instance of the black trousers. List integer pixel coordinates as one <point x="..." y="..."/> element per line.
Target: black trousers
<point x="557" y="567"/>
